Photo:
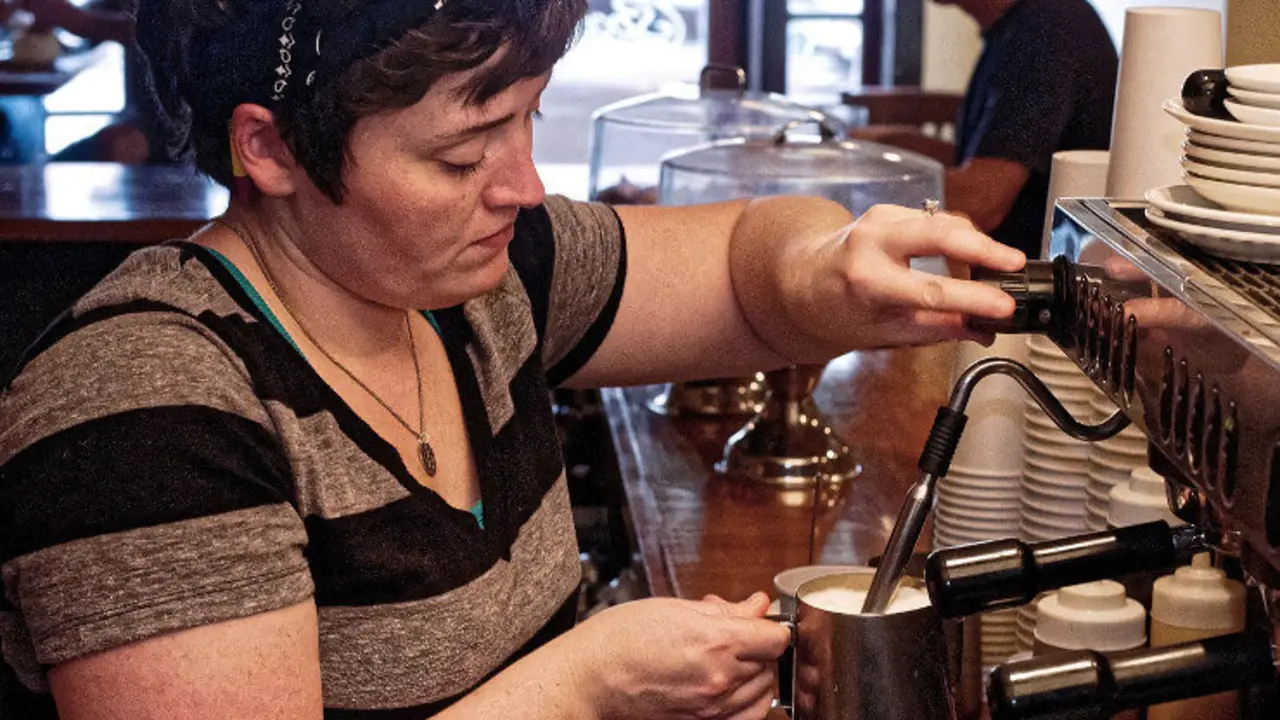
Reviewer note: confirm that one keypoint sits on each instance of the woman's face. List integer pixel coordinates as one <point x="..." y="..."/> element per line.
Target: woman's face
<point x="430" y="197"/>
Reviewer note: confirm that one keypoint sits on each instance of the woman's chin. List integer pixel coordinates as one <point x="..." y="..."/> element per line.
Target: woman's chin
<point x="463" y="286"/>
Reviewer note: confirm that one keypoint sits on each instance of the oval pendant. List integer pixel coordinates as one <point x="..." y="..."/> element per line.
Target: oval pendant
<point x="428" y="457"/>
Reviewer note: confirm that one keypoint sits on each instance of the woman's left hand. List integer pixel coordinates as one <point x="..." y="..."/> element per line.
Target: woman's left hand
<point x="855" y="288"/>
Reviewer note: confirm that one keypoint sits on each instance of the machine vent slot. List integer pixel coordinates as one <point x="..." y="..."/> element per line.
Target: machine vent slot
<point x="1273" y="500"/>
<point x="1167" y="381"/>
<point x="1130" y="358"/>
<point x="1082" y="311"/>
<point x="1230" y="451"/>
<point x="1213" y="440"/>
<point x="1196" y="422"/>
<point x="1104" y="339"/>
<point x="1119" y="359"/>
<point x="1092" y="350"/>
<point x="1181" y="399"/>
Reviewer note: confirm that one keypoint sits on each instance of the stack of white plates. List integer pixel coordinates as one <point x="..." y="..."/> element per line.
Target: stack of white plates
<point x="1230" y="204"/>
<point x="1110" y="463"/>
<point x="1056" y="469"/>
<point x="1185" y="211"/>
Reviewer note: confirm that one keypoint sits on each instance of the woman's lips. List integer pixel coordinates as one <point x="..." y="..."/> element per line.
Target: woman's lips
<point x="499" y="239"/>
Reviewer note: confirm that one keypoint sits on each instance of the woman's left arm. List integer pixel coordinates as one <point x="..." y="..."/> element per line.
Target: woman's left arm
<point x="731" y="288"/>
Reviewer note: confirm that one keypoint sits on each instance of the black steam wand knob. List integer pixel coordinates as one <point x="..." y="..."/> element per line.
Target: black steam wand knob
<point x="1007" y="573"/>
<point x="1088" y="685"/>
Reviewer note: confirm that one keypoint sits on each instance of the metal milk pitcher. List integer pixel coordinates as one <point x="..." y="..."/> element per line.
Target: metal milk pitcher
<point x="850" y="666"/>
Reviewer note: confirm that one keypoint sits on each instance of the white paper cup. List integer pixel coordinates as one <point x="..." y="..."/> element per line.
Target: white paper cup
<point x="1161" y="47"/>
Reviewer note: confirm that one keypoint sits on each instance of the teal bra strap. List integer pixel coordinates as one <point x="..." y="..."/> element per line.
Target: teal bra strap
<point x="254" y="296"/>
<point x="262" y="305"/>
<point x="478" y="511"/>
<point x="432" y="319"/>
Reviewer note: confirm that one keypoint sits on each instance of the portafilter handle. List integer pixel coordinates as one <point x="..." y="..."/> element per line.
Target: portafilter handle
<point x="1082" y="684"/>
<point x="1007" y="573"/>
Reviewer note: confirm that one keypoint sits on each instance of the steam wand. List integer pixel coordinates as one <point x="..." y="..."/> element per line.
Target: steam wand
<point x="936" y="457"/>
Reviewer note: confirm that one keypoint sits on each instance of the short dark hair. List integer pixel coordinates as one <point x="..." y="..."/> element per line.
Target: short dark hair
<point x="208" y="56"/>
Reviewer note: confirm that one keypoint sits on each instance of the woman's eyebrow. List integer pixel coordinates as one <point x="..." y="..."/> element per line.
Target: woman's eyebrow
<point x="466" y="133"/>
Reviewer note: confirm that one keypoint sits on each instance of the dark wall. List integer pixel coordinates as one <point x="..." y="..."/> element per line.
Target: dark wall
<point x="39" y="280"/>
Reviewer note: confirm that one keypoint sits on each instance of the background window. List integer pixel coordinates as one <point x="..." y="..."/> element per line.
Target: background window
<point x="628" y="48"/>
<point x="87" y="103"/>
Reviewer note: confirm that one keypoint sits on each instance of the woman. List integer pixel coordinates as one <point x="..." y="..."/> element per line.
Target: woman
<point x="304" y="461"/>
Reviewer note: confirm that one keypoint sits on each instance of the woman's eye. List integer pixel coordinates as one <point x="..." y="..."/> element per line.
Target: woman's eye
<point x="461" y="169"/>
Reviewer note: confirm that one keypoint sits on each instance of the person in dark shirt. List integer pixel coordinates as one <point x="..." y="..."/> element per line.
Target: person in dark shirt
<point x="1046" y="82"/>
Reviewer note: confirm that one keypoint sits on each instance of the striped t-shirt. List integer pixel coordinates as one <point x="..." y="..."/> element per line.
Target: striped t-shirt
<point x="169" y="460"/>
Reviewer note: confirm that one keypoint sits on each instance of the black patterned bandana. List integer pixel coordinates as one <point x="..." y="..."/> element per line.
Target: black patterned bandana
<point x="318" y="39"/>
<point x="278" y="49"/>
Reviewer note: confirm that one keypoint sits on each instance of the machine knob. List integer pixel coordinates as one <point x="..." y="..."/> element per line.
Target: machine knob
<point x="1006" y="573"/>
<point x="1038" y="292"/>
<point x="1082" y="684"/>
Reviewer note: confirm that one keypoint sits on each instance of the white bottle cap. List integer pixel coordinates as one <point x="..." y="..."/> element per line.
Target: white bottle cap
<point x="1141" y="500"/>
<point x="1094" y="616"/>
<point x="1199" y="597"/>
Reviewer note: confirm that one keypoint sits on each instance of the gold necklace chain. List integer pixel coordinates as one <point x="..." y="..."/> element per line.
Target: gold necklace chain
<point x="425" y="451"/>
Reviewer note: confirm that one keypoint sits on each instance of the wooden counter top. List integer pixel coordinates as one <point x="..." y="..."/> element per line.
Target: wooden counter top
<point x="142" y="204"/>
<point x="701" y="533"/>
<point x="76" y="202"/>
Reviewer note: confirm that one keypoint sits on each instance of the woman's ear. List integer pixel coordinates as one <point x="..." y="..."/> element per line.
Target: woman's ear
<point x="262" y="153"/>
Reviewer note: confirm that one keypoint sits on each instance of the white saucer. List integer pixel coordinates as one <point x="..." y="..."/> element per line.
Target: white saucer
<point x="1253" y="97"/>
<point x="1253" y="115"/>
<point x="1232" y="175"/>
<point x="1250" y="161"/>
<point x="1222" y="128"/>
<point x="1260" y="78"/>
<point x="1235" y="244"/>
<point x="1241" y="198"/>
<point x="1183" y="200"/>
<point x="1225" y="143"/>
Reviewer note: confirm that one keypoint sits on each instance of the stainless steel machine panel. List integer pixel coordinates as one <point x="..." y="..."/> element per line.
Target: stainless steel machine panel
<point x="1188" y="345"/>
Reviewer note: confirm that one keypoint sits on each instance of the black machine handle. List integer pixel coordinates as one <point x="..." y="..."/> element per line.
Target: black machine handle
<point x="1043" y="294"/>
<point x="1082" y="684"/>
<point x="1006" y="573"/>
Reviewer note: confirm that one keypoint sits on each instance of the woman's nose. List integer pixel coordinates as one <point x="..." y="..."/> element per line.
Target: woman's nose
<point x="517" y="183"/>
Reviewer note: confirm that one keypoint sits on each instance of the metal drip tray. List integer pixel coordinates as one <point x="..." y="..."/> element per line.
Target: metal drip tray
<point x="1257" y="283"/>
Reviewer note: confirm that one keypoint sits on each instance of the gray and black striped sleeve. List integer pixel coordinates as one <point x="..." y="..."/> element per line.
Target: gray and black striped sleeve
<point x="142" y="490"/>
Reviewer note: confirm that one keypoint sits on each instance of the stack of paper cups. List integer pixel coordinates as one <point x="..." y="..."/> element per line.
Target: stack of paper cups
<point x="1162" y="46"/>
<point x="992" y="437"/>
<point x="1075" y="173"/>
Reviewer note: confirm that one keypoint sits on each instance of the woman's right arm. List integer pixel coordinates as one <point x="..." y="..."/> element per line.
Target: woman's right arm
<point x="662" y="657"/>
<point x="263" y="666"/>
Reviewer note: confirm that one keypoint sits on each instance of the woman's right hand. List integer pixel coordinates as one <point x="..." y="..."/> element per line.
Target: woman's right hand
<point x="667" y="658"/>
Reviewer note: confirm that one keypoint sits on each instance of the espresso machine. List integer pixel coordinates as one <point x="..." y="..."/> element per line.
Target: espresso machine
<point x="1187" y="347"/>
